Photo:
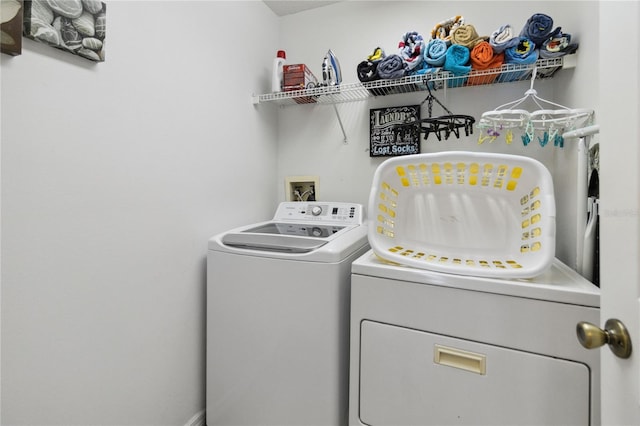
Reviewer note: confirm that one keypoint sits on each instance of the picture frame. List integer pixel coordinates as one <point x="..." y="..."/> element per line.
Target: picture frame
<point x="11" y="26"/>
<point x="75" y="26"/>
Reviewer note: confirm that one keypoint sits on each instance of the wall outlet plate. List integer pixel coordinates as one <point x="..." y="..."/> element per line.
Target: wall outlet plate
<point x="301" y="188"/>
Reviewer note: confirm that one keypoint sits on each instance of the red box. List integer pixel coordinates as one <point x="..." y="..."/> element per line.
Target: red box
<point x="298" y="77"/>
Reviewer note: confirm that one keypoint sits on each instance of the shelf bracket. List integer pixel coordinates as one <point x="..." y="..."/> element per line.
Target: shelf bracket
<point x="344" y="134"/>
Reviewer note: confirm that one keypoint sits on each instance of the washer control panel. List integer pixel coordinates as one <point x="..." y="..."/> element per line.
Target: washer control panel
<point x="331" y="212"/>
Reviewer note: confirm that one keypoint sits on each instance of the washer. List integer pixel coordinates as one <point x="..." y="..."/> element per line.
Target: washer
<point x="278" y="317"/>
<point x="431" y="348"/>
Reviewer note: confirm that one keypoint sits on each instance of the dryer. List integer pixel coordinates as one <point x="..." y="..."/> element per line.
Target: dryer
<point x="432" y="348"/>
<point x="278" y="316"/>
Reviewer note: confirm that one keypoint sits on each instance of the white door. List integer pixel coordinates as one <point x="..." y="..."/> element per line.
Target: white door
<point x="620" y="208"/>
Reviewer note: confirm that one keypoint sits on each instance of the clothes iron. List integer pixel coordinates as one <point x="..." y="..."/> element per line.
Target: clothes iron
<point x="331" y="73"/>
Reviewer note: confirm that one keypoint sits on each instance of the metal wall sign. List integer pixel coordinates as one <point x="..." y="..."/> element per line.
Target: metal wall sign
<point x="388" y="141"/>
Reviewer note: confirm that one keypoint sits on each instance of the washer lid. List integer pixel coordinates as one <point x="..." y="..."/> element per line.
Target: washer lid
<point x="272" y="242"/>
<point x="277" y="236"/>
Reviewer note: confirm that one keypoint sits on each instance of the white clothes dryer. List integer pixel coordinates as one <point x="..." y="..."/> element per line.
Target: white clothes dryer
<point x="430" y="348"/>
<point x="278" y="317"/>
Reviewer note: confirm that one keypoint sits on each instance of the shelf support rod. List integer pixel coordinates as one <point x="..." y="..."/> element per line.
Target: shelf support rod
<point x="344" y="134"/>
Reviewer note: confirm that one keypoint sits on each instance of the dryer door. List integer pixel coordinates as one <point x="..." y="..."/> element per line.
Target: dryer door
<point x="410" y="377"/>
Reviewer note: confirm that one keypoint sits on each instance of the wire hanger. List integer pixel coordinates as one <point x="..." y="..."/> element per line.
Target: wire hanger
<point x="441" y="126"/>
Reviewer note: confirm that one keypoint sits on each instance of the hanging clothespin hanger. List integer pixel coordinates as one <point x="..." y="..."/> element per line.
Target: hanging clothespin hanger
<point x="550" y="119"/>
<point x="442" y="126"/>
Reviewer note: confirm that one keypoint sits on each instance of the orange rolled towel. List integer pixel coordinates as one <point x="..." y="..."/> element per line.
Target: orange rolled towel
<point x="483" y="58"/>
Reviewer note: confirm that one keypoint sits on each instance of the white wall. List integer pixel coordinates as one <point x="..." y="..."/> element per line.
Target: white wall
<point x="310" y="139"/>
<point x="114" y="175"/>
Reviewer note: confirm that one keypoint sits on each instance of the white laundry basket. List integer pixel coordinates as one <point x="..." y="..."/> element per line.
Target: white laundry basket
<point x="467" y="213"/>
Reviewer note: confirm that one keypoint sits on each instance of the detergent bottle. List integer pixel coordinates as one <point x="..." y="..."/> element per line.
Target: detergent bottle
<point x="278" y="63"/>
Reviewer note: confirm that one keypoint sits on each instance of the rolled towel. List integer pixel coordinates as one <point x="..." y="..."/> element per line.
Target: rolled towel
<point x="393" y="66"/>
<point x="523" y="53"/>
<point x="467" y="36"/>
<point x="411" y="49"/>
<point x="456" y="60"/>
<point x="368" y="71"/>
<point x="538" y="28"/>
<point x="434" y="54"/>
<point x="503" y="38"/>
<point x="443" y="29"/>
<point x="559" y="44"/>
<point x="483" y="57"/>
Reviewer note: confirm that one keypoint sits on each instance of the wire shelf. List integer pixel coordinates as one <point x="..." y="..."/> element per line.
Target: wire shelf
<point x="352" y="92"/>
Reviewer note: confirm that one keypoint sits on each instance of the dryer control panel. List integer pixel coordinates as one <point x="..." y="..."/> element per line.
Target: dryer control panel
<point x="328" y="212"/>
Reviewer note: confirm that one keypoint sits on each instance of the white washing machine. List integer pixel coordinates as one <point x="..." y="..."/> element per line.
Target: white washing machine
<point x="278" y="317"/>
<point x="440" y="349"/>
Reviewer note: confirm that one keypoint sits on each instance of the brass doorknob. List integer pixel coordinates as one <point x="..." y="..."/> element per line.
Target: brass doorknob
<point x="615" y="334"/>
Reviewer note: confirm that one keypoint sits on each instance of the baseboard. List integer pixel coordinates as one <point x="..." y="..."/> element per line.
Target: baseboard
<point x="199" y="419"/>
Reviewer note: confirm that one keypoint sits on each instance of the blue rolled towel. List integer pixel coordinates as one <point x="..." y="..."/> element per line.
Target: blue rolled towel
<point x="393" y="66"/>
<point x="456" y="60"/>
<point x="524" y="53"/>
<point x="434" y="54"/>
<point x="538" y="28"/>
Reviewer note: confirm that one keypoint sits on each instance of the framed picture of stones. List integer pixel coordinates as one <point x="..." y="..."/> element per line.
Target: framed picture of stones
<point x="391" y="132"/>
<point x="75" y="26"/>
<point x="11" y="27"/>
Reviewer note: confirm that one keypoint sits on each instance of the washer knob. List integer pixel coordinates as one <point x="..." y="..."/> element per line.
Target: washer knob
<point x="316" y="210"/>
